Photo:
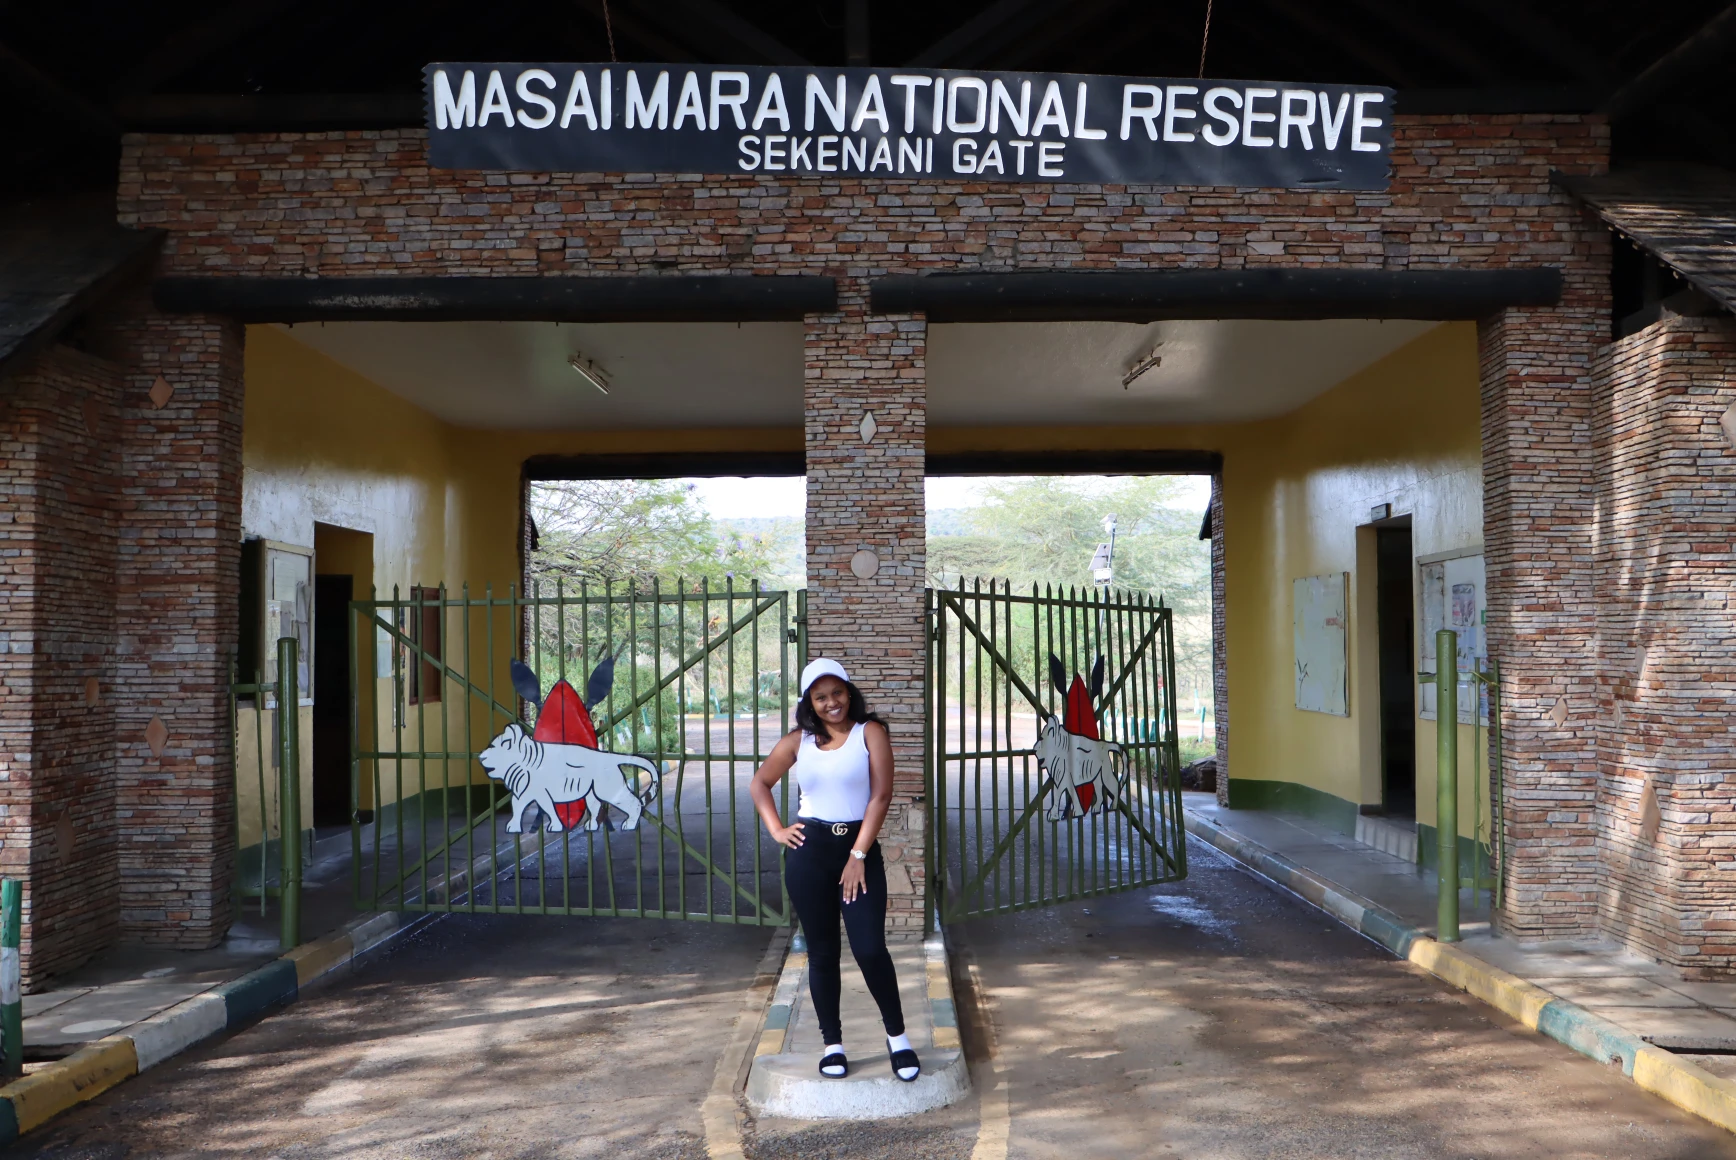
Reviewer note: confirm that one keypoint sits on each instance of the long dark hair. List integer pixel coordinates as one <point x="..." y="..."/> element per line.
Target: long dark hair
<point x="809" y="721"/>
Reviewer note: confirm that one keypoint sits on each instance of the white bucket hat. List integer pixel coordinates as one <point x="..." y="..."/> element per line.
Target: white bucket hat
<point x="823" y="667"/>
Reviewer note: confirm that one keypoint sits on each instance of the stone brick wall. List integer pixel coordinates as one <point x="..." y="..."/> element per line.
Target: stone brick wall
<point x="1467" y="192"/>
<point x="176" y="623"/>
<point x="1665" y="565"/>
<point x="58" y="475"/>
<point x="867" y="545"/>
<point x="1539" y="484"/>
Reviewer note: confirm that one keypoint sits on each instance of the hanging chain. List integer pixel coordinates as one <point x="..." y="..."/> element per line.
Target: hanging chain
<point x="1205" y="37"/>
<point x="609" y="27"/>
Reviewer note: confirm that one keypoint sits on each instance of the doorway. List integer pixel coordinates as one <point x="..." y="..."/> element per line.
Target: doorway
<point x="1396" y="615"/>
<point x="331" y="699"/>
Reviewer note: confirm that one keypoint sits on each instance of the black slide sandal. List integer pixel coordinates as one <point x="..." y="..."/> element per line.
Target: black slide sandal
<point x="838" y="1060"/>
<point x="906" y="1060"/>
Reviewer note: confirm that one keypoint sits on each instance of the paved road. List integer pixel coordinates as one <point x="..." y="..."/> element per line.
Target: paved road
<point x="479" y="1037"/>
<point x="1219" y="1019"/>
<point x="1216" y="1019"/>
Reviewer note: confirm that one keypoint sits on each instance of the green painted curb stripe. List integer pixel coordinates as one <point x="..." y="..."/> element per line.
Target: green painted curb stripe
<point x="945" y="1014"/>
<point x="257" y="992"/>
<point x="1590" y="1034"/>
<point x="778" y="1017"/>
<point x="8" y="1121"/>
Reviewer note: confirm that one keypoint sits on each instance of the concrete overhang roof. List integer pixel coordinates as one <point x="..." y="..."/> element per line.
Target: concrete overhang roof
<point x="56" y="262"/>
<point x="1683" y="215"/>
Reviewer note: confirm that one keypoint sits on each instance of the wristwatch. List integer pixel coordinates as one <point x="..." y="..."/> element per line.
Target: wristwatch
<point x="859" y="855"/>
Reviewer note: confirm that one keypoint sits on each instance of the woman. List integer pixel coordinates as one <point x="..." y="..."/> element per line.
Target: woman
<point x="841" y="756"/>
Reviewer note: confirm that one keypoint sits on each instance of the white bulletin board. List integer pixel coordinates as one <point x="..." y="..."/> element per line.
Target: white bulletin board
<point x="1454" y="596"/>
<point x="1322" y="668"/>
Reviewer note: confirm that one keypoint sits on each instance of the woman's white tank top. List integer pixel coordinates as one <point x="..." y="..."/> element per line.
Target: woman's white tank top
<point x="833" y="782"/>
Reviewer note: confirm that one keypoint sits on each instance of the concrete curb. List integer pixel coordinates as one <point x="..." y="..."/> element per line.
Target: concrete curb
<point x="781" y="1084"/>
<point x="1688" y="1086"/>
<point x="28" y="1103"/>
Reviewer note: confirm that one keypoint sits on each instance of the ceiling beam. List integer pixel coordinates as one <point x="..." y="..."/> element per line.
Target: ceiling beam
<point x="1057" y="31"/>
<point x="1433" y="37"/>
<point x="195" y="43"/>
<point x="856" y="31"/>
<point x="69" y="103"/>
<point x="1546" y="39"/>
<point x="1710" y="45"/>
<point x="1370" y="55"/>
<point x="994" y="27"/>
<point x="1156" y="295"/>
<point x="715" y="25"/>
<point x="624" y="23"/>
<point x="533" y="298"/>
<point x="264" y="112"/>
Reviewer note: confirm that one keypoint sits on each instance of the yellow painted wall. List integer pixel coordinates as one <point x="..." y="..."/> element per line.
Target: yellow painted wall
<point x="325" y="447"/>
<point x="1297" y="494"/>
<point x="1404" y="431"/>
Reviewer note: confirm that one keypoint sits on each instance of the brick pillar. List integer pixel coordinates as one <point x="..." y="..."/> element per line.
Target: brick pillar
<point x="178" y="607"/>
<point x="1539" y="490"/>
<point x="1220" y="647"/>
<point x="1666" y="566"/>
<point x="867" y="552"/>
<point x="58" y="464"/>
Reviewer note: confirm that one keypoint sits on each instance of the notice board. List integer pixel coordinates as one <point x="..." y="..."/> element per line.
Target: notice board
<point x="1454" y="596"/>
<point x="1322" y="667"/>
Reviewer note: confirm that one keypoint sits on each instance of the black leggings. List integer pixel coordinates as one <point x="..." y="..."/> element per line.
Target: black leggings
<point x="812" y="872"/>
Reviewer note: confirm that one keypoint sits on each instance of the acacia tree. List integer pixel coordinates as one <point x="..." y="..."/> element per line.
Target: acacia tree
<point x="633" y="531"/>
<point x="1044" y="530"/>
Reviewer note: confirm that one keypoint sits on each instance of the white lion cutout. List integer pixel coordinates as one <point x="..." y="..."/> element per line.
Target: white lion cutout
<point x="1084" y="773"/>
<point x="550" y="774"/>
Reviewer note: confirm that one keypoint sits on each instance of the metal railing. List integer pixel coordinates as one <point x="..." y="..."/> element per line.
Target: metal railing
<point x="254" y="877"/>
<point x="1006" y="835"/>
<point x="701" y="690"/>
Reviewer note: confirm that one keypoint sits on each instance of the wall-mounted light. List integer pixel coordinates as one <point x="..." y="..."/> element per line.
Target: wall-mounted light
<point x="1149" y="361"/>
<point x="589" y="371"/>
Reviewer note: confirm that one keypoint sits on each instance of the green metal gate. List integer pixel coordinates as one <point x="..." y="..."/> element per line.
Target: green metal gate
<point x="701" y="692"/>
<point x="1029" y="809"/>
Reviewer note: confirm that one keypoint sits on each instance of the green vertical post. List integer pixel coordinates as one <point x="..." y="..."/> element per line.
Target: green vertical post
<point x="1447" y="783"/>
<point x="11" y="1004"/>
<point x="289" y="790"/>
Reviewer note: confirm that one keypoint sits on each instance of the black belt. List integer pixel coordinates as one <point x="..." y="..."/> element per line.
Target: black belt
<point x="839" y="829"/>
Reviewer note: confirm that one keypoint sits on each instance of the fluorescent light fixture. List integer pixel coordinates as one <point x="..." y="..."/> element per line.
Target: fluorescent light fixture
<point x="589" y="371"/>
<point x="1150" y="361"/>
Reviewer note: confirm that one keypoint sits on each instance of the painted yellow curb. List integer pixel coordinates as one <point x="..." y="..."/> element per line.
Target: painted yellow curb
<point x="1689" y="1086"/>
<point x="316" y="958"/>
<point x="939" y="985"/>
<point x="83" y="1075"/>
<point x="946" y="1039"/>
<point x="771" y="1042"/>
<point x="1506" y="993"/>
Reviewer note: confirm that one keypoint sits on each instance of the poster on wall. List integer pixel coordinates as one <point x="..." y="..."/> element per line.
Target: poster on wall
<point x="1322" y="669"/>
<point x="288" y="612"/>
<point x="1454" y="596"/>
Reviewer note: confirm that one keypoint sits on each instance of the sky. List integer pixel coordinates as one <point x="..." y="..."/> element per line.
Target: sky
<point x="745" y="498"/>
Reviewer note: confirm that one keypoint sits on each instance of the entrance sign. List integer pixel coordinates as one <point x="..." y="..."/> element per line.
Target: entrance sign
<point x="936" y="125"/>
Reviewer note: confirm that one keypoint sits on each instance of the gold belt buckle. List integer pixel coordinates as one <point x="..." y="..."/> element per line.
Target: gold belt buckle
<point x="840" y="828"/>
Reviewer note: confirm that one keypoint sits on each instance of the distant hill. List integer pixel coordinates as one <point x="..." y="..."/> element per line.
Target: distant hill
<point x="949" y="521"/>
<point x="789" y="550"/>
